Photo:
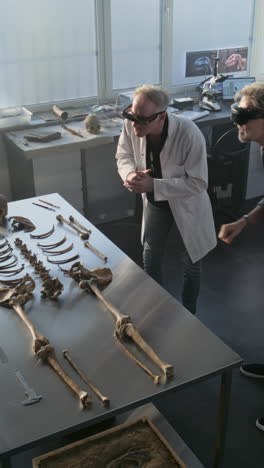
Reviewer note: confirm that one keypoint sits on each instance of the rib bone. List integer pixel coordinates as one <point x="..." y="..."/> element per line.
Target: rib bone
<point x="104" y="399"/>
<point x="82" y="235"/>
<point x="52" y="246"/>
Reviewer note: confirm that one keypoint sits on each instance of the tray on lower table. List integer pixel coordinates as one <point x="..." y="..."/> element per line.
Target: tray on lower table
<point x="135" y="444"/>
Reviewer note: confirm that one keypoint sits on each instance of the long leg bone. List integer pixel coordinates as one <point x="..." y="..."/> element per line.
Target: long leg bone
<point x="74" y="220"/>
<point x="125" y="327"/>
<point x="103" y="399"/>
<point x="82" y="235"/>
<point x="156" y="378"/>
<point x="15" y="298"/>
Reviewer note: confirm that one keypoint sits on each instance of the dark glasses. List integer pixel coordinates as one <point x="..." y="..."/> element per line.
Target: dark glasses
<point x="129" y="115"/>
<point x="241" y="116"/>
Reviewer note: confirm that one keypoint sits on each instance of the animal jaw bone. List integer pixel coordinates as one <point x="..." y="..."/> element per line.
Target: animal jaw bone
<point x="103" y="398"/>
<point x="16" y="298"/>
<point x="82" y="235"/>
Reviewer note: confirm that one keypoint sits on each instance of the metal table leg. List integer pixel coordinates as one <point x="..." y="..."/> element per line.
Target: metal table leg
<point x="223" y="409"/>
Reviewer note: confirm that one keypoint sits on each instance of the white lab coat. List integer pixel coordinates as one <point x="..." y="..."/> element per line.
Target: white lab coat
<point x="184" y="184"/>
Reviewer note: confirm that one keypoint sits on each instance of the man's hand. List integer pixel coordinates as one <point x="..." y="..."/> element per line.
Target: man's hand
<point x="228" y="232"/>
<point x="139" y="181"/>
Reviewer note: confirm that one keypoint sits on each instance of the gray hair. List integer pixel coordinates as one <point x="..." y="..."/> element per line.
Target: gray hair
<point x="155" y="94"/>
<point x="254" y="93"/>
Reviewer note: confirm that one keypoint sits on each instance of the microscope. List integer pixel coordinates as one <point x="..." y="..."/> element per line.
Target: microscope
<point x="209" y="92"/>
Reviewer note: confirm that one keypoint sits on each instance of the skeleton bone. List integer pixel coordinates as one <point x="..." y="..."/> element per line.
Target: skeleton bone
<point x="19" y="222"/>
<point x="82" y="235"/>
<point x="9" y="249"/>
<point x="4" y="244"/>
<point x="73" y="220"/>
<point x="60" y="262"/>
<point x="125" y="327"/>
<point x="156" y="378"/>
<point x="43" y="236"/>
<point x="12" y="272"/>
<point x="52" y="287"/>
<point x="13" y="263"/>
<point x="72" y="131"/>
<point x="57" y="252"/>
<point x="15" y="298"/>
<point x="104" y="399"/>
<point x="51" y="246"/>
<point x="95" y="251"/>
<point x="6" y="257"/>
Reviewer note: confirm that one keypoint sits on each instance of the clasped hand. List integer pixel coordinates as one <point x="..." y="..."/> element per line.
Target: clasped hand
<point x="139" y="181"/>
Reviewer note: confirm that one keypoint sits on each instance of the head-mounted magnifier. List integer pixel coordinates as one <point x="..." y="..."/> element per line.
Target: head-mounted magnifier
<point x="129" y="115"/>
<point x="241" y="116"/>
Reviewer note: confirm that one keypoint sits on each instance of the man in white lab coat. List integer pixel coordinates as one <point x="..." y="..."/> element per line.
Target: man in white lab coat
<point x="163" y="157"/>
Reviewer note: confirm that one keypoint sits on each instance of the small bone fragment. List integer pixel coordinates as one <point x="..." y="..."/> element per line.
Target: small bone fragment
<point x="72" y="131"/>
<point x="48" y="203"/>
<point x="42" y="206"/>
<point x="82" y="235"/>
<point x="104" y="399"/>
<point x="95" y="251"/>
<point x="74" y="221"/>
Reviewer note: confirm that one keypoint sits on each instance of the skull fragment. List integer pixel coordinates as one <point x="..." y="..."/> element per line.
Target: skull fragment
<point x="92" y="124"/>
<point x="3" y="209"/>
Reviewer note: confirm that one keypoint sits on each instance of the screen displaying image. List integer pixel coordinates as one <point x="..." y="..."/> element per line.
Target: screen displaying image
<point x="200" y="63"/>
<point x="233" y="60"/>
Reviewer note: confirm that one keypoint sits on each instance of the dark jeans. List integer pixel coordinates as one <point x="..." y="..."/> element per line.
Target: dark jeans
<point x="158" y="223"/>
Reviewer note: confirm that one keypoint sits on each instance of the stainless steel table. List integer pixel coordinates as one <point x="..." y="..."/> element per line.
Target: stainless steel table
<point x="80" y="323"/>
